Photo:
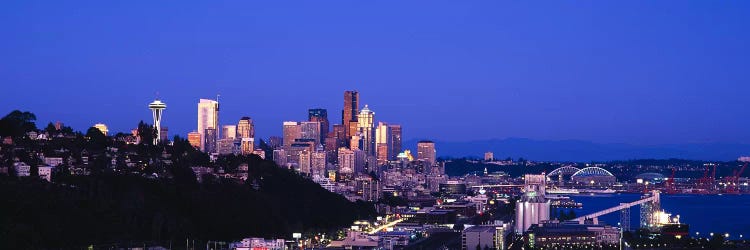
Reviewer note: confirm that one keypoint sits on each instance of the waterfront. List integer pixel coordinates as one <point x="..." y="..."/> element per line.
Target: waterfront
<point x="704" y="213"/>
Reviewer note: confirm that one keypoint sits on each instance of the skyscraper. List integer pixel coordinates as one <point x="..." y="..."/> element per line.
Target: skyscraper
<point x="304" y="162"/>
<point x="320" y="115"/>
<point x="157" y="108"/>
<point x="228" y="131"/>
<point x="351" y="161"/>
<point x="349" y="114"/>
<point x="366" y="130"/>
<point x="245" y="128"/>
<point x="209" y="140"/>
<point x="291" y="131"/>
<point x="383" y="143"/>
<point x="318" y="162"/>
<point x="246" y="134"/>
<point x="395" y="140"/>
<point x="310" y="130"/>
<point x="426" y="152"/>
<point x="208" y="117"/>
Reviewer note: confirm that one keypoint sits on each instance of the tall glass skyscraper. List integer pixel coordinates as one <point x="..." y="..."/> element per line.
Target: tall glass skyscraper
<point x="366" y="127"/>
<point x="349" y="114"/>
<point x="319" y="115"/>
<point x="208" y="118"/>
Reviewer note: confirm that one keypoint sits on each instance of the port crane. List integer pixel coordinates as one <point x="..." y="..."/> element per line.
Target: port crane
<point x="670" y="186"/>
<point x="733" y="181"/>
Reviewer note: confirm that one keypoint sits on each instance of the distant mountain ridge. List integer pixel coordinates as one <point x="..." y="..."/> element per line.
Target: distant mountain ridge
<point x="586" y="151"/>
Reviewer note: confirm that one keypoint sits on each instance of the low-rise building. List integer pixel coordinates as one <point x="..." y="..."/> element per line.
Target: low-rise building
<point x="22" y="169"/>
<point x="53" y="161"/>
<point x="356" y="240"/>
<point x="258" y="243"/>
<point x="557" y="234"/>
<point x="45" y="172"/>
<point x="493" y="236"/>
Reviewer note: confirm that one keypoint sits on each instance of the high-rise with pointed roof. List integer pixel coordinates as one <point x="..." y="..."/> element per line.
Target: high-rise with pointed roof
<point x="366" y="130"/>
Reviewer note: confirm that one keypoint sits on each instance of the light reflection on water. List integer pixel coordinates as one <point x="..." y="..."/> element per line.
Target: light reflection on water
<point x="704" y="213"/>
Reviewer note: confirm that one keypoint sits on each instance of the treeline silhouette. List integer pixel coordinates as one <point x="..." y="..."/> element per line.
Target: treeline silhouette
<point x="113" y="208"/>
<point x="161" y="202"/>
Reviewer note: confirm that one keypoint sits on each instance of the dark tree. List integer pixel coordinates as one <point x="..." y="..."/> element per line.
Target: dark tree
<point x="17" y="123"/>
<point x="97" y="140"/>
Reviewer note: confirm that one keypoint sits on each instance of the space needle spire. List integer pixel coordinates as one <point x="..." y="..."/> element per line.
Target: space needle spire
<point x="157" y="107"/>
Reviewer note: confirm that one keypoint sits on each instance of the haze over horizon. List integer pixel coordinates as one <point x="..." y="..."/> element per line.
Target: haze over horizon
<point x="647" y="73"/>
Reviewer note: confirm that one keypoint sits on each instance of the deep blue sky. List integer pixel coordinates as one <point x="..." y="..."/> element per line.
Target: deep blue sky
<point x="640" y="72"/>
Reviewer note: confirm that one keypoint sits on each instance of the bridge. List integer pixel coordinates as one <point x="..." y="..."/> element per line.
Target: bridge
<point x="650" y="204"/>
<point x="497" y="185"/>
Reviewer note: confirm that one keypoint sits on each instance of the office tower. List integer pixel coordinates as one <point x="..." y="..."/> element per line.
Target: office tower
<point x="296" y="148"/>
<point x="194" y="138"/>
<point x="310" y="130"/>
<point x="351" y="161"/>
<point x="102" y="128"/>
<point x="157" y="108"/>
<point x="247" y="145"/>
<point x="339" y="133"/>
<point x="246" y="135"/>
<point x="164" y="134"/>
<point x="321" y="116"/>
<point x="228" y="131"/>
<point x="245" y="128"/>
<point x="366" y="130"/>
<point x="533" y="208"/>
<point x="330" y="148"/>
<point x="335" y="140"/>
<point x="291" y="131"/>
<point x="383" y="143"/>
<point x="426" y="152"/>
<point x="395" y="140"/>
<point x="349" y="114"/>
<point x="304" y="162"/>
<point x="208" y="117"/>
<point x="275" y="142"/>
<point x="280" y="157"/>
<point x="354" y="142"/>
<point x="209" y="140"/>
<point x="225" y="146"/>
<point x="318" y="162"/>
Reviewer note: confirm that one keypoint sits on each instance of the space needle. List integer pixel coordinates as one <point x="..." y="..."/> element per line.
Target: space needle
<point x="157" y="108"/>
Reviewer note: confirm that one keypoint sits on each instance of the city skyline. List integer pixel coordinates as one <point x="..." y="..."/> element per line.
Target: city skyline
<point x="590" y="75"/>
<point x="383" y="125"/>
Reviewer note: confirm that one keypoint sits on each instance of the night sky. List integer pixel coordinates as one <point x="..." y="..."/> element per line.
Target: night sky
<point x="638" y="72"/>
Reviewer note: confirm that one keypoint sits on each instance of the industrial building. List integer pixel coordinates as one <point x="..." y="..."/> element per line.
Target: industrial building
<point x="556" y="234"/>
<point x="486" y="236"/>
<point x="533" y="208"/>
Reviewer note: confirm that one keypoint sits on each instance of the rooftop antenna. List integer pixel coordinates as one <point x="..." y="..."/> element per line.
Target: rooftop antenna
<point x="157" y="95"/>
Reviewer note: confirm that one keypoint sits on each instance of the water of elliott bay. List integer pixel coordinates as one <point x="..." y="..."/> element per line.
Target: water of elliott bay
<point x="704" y="213"/>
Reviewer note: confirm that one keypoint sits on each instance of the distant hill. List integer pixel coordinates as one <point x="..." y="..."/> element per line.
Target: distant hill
<point x="585" y="151"/>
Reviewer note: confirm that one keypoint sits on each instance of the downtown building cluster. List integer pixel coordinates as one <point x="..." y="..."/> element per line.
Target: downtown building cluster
<point x="358" y="157"/>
